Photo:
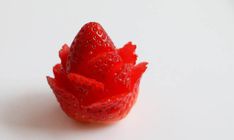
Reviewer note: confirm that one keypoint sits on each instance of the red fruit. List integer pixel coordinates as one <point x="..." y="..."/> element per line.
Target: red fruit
<point x="96" y="82"/>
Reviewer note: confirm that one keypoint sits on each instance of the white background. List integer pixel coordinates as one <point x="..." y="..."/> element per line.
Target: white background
<point x="187" y="93"/>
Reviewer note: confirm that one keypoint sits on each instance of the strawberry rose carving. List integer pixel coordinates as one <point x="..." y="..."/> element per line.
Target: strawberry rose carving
<point x="95" y="81"/>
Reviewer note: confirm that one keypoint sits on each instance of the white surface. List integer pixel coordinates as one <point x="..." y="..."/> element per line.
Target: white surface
<point x="186" y="93"/>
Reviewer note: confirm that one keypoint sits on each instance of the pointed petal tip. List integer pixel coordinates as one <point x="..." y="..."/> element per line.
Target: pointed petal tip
<point x="64" y="49"/>
<point x="49" y="78"/>
<point x="63" y="54"/>
<point x="139" y="69"/>
<point x="142" y="66"/>
<point x="50" y="81"/>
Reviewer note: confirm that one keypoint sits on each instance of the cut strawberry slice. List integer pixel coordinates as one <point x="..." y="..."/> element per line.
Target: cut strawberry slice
<point x="86" y="89"/>
<point x="137" y="71"/>
<point x="120" y="78"/>
<point x="99" y="66"/>
<point x="63" y="54"/>
<point x="128" y="53"/>
<point x="96" y="82"/>
<point x="59" y="73"/>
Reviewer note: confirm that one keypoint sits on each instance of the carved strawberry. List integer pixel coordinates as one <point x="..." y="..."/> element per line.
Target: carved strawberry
<point x="95" y="82"/>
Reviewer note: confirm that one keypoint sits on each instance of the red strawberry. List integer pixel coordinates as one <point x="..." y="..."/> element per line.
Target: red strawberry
<point x="96" y="82"/>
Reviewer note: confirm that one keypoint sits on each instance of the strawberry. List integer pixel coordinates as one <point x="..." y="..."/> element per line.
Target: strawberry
<point x="95" y="82"/>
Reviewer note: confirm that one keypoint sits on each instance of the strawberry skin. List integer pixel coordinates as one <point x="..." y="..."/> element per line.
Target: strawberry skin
<point x="89" y="42"/>
<point x="95" y="81"/>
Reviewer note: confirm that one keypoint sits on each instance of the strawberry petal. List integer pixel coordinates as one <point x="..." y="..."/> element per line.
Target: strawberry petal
<point x="99" y="66"/>
<point x="63" y="54"/>
<point x="86" y="89"/>
<point x="138" y="70"/>
<point x="80" y="80"/>
<point x="128" y="53"/>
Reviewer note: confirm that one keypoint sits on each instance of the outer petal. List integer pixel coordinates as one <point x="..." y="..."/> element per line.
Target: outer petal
<point x="120" y="78"/>
<point x="68" y="102"/>
<point x="138" y="70"/>
<point x="86" y="89"/>
<point x="61" y="76"/>
<point x="99" y="66"/>
<point x="63" y="54"/>
<point x="128" y="53"/>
